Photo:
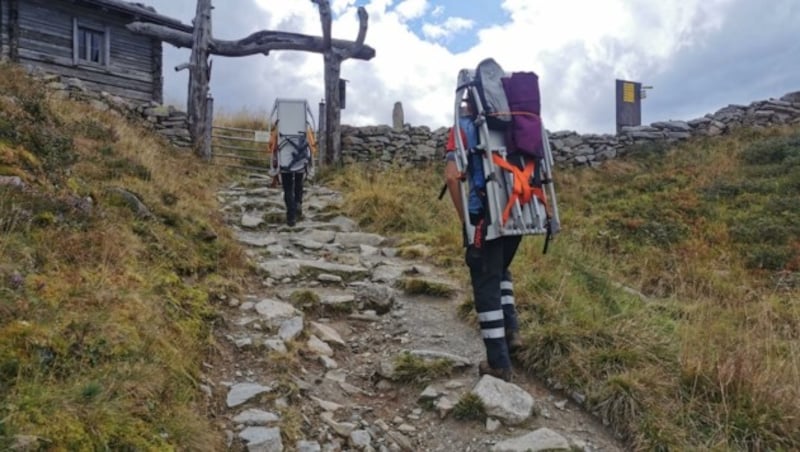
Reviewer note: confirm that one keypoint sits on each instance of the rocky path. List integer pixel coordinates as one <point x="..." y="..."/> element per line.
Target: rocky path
<point x="324" y="351"/>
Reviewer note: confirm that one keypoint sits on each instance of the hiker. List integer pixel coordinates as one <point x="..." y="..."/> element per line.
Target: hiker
<point x="293" y="157"/>
<point x="488" y="261"/>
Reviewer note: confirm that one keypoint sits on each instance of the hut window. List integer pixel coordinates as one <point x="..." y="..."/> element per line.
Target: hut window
<point x="90" y="45"/>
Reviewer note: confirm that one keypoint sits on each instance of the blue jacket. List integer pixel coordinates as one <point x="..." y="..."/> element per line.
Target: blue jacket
<point x="475" y="165"/>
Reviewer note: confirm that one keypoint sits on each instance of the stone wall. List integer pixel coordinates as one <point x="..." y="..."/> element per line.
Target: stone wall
<point x="386" y="144"/>
<point x="420" y="144"/>
<point x="166" y="120"/>
<point x="412" y="145"/>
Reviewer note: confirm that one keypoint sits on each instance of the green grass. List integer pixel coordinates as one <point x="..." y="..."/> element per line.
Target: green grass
<point x="402" y="201"/>
<point x="418" y="286"/>
<point x="469" y="408"/>
<point x="704" y="352"/>
<point x="105" y="317"/>
<point x="413" y="369"/>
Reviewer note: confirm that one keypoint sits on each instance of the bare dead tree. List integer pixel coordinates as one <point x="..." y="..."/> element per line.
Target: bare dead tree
<point x="333" y="57"/>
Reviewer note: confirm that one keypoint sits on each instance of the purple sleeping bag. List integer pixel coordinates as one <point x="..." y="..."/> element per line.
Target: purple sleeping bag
<point x="522" y="92"/>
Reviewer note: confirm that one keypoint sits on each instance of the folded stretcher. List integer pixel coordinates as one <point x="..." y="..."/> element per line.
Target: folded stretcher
<point x="519" y="194"/>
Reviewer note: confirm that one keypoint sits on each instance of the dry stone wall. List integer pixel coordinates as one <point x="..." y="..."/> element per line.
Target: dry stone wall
<point x="414" y="145"/>
<point x="411" y="145"/>
<point x="166" y="120"/>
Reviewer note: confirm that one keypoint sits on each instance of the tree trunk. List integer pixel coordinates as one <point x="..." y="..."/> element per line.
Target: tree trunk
<point x="333" y="130"/>
<point x="260" y="42"/>
<point x="199" y="75"/>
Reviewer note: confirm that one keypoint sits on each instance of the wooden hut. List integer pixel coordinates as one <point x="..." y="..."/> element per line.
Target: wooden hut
<point x="87" y="40"/>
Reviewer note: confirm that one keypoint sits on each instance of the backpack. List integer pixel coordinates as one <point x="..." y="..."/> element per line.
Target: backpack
<point x="293" y="153"/>
<point x="525" y="133"/>
<point x="488" y="81"/>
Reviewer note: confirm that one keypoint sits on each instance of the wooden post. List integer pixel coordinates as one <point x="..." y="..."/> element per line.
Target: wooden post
<point x="207" y="149"/>
<point x="333" y="131"/>
<point x="321" y="133"/>
<point x="199" y="75"/>
<point x="333" y="58"/>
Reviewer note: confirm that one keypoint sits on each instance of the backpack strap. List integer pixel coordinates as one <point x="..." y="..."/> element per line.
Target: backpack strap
<point x="521" y="190"/>
<point x="300" y="149"/>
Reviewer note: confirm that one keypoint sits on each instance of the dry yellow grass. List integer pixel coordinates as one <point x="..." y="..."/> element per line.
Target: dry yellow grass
<point x="104" y="312"/>
<point x="670" y="299"/>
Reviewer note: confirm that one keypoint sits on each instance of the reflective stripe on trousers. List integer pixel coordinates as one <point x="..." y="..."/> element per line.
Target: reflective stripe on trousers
<point x="494" y="317"/>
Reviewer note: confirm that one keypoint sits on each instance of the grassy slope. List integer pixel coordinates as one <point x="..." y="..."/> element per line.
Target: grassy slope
<point x="105" y="316"/>
<point x="671" y="299"/>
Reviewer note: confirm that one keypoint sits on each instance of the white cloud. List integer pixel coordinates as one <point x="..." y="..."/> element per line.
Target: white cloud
<point x="577" y="47"/>
<point x="340" y="6"/>
<point x="411" y="9"/>
<point x="446" y="29"/>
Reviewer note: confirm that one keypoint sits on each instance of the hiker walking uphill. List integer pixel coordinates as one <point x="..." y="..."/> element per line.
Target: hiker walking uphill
<point x="291" y="144"/>
<point x="488" y="262"/>
<point x="498" y="164"/>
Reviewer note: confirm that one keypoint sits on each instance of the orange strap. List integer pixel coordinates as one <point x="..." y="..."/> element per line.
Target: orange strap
<point x="272" y="145"/>
<point x="522" y="190"/>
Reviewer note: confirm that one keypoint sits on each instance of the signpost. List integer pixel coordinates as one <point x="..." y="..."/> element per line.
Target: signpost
<point x="629" y="104"/>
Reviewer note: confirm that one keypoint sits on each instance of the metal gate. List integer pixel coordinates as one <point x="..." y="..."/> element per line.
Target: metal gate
<point x="239" y="148"/>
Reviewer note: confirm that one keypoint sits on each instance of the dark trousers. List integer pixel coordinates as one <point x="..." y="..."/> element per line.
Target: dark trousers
<point x="292" y="194"/>
<point x="494" y="296"/>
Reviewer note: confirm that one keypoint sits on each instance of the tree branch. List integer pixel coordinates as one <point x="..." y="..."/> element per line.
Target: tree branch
<point x="363" y="17"/>
<point x="325" y="19"/>
<point x="260" y="42"/>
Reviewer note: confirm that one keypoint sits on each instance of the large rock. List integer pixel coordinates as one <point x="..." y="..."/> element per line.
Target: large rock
<point x="252" y="219"/>
<point x="360" y="439"/>
<point x="354" y="239"/>
<point x="291" y="328"/>
<point x="321" y="236"/>
<point x="343" y="429"/>
<point x="281" y="268"/>
<point x="792" y="97"/>
<point x="505" y="401"/>
<point x="338" y="301"/>
<point x="262" y="439"/>
<point x="290" y="268"/>
<point x="242" y="392"/>
<point x="255" y="416"/>
<point x="255" y="239"/>
<point x="308" y="446"/>
<point x="344" y="224"/>
<point x="275" y="312"/>
<point x="327" y="333"/>
<point x="375" y="296"/>
<point x="675" y="126"/>
<point x="458" y="361"/>
<point x="319" y="347"/>
<point x="13" y="181"/>
<point x="388" y="274"/>
<point x="543" y="439"/>
<point x="398" y="120"/>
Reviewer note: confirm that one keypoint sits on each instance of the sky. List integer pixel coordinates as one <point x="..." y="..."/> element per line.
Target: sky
<point x="698" y="55"/>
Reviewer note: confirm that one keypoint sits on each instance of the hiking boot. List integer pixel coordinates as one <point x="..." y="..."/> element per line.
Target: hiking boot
<point x="514" y="341"/>
<point x="503" y="374"/>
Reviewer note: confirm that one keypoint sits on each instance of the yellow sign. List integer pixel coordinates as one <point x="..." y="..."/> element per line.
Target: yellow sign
<point x="628" y="93"/>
